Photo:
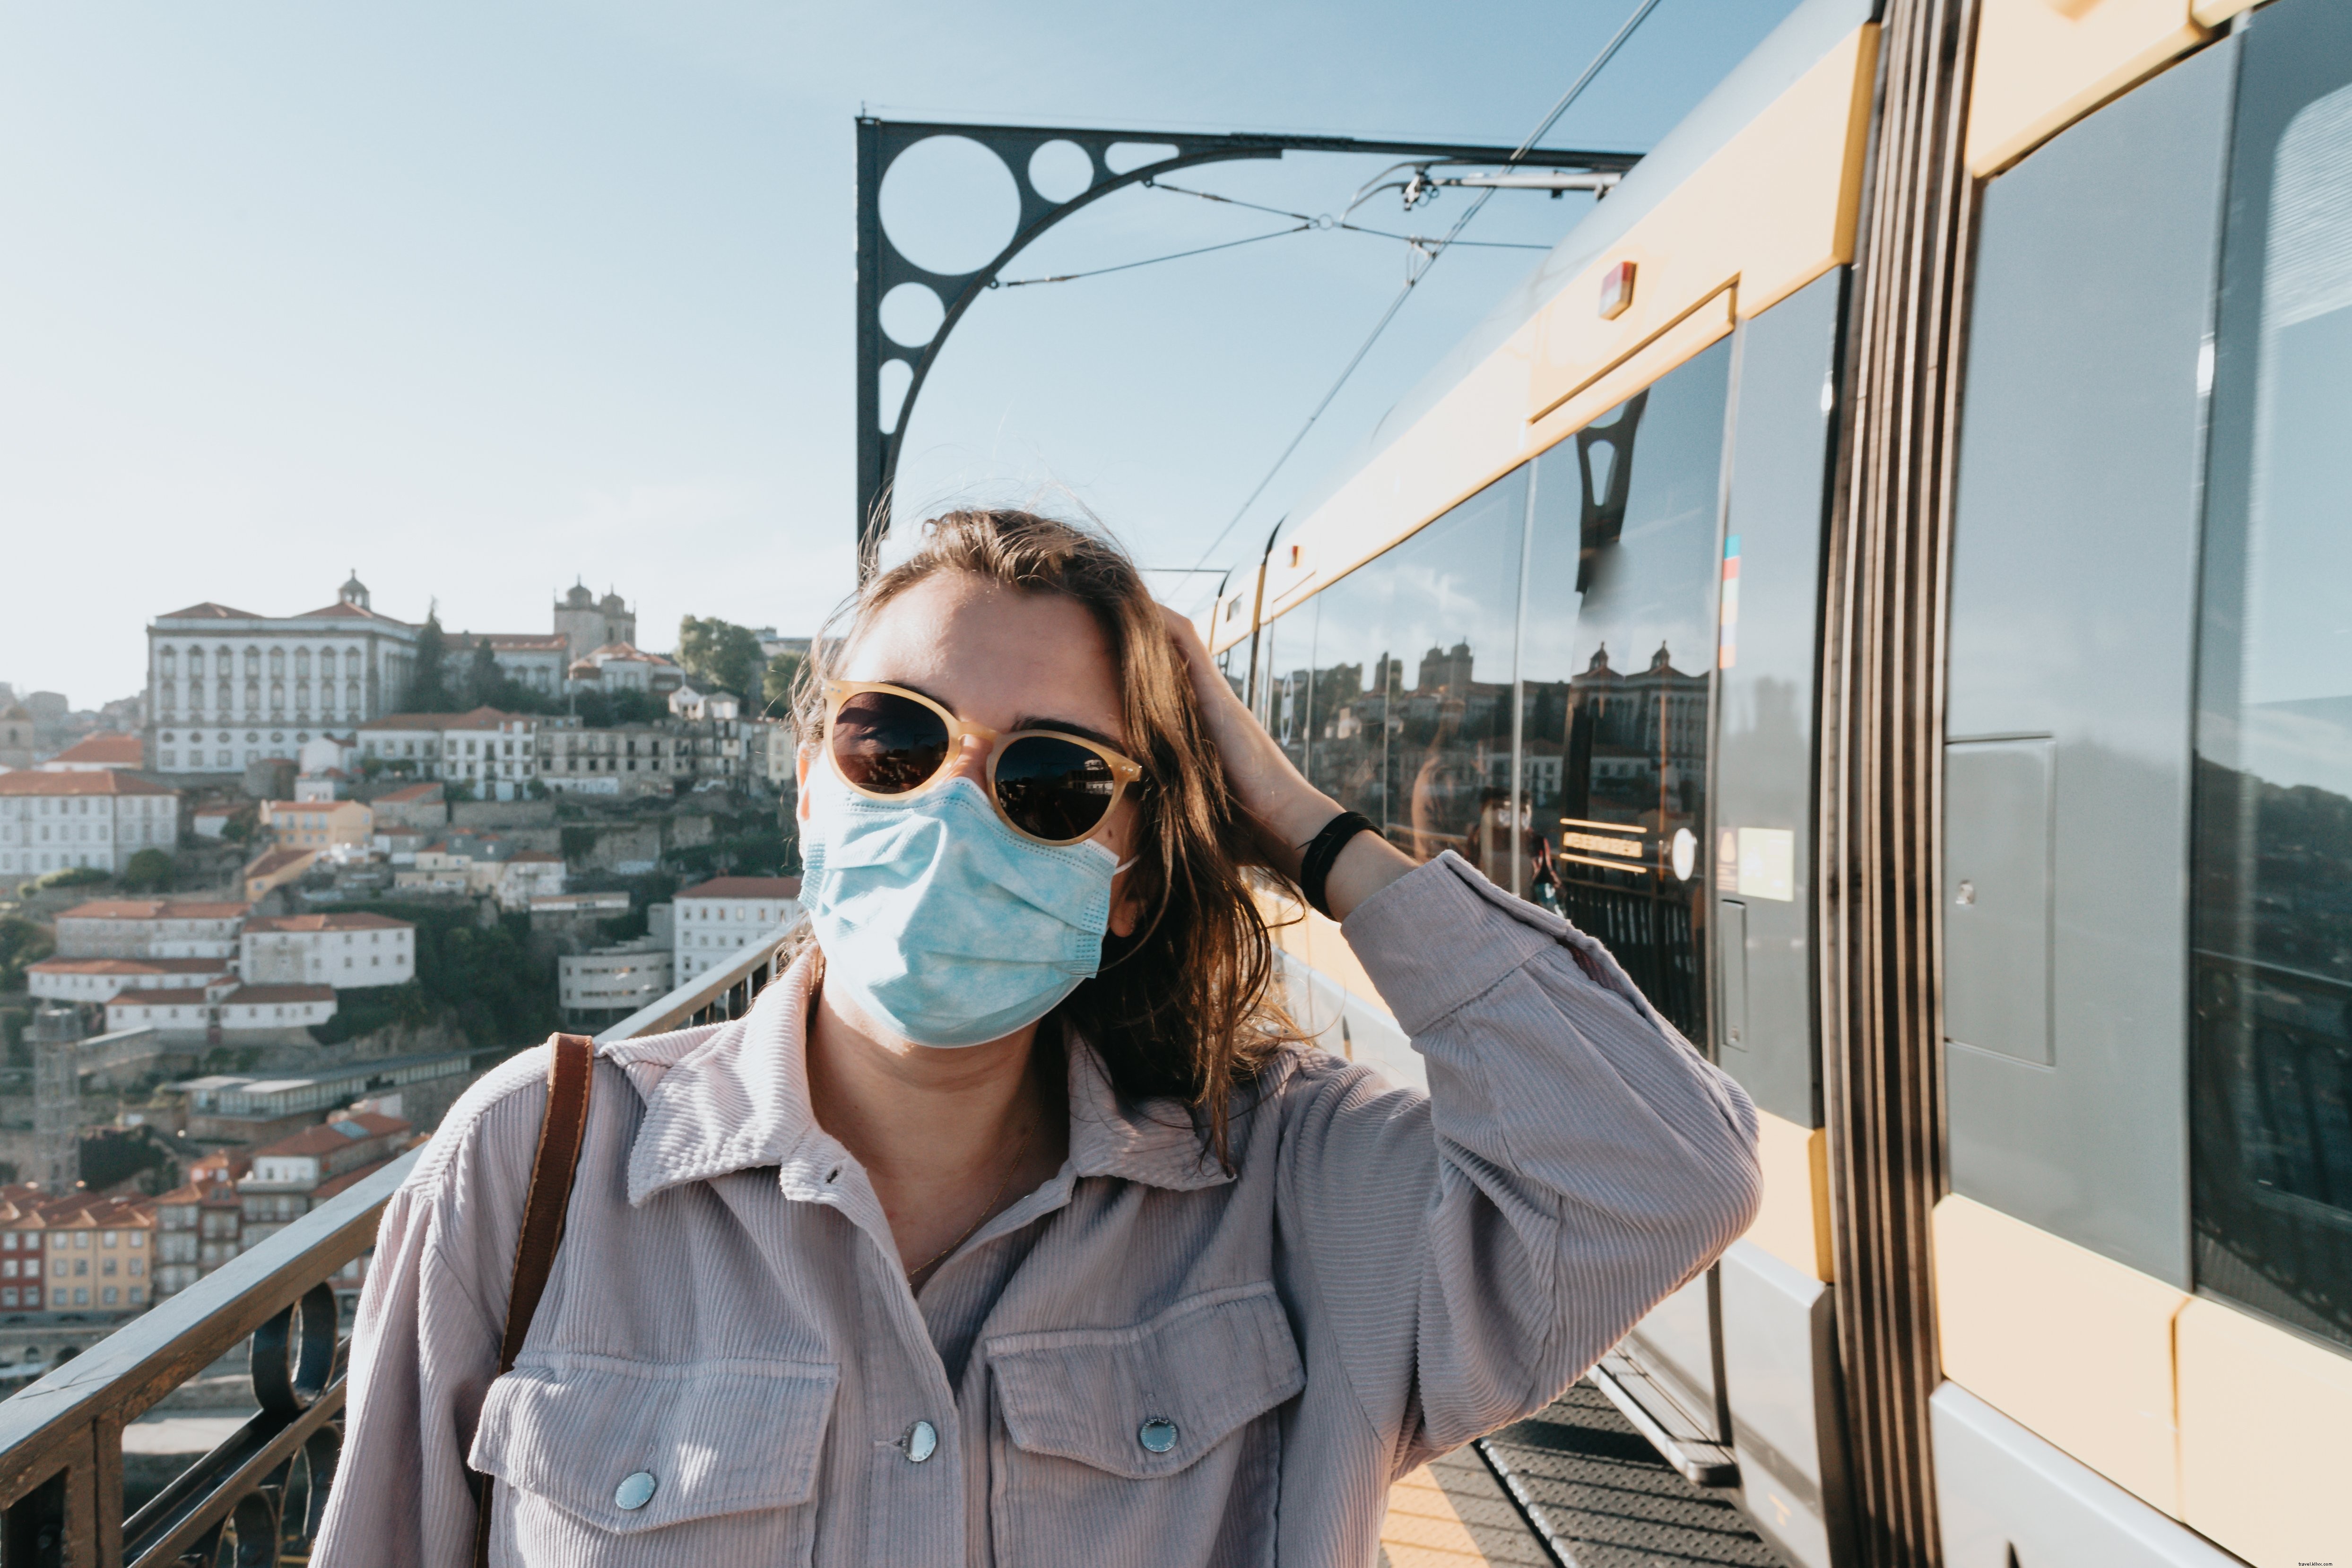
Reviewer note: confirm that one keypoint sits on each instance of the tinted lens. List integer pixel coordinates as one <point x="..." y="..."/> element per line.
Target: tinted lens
<point x="887" y="743"/>
<point x="1053" y="788"/>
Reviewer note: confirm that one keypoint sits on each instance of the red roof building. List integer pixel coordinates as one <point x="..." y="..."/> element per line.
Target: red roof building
<point x="92" y="753"/>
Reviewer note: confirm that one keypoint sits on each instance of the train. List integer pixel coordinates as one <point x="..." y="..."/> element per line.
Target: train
<point x="1888" y="574"/>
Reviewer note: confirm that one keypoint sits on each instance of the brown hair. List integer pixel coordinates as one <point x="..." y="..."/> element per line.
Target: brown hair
<point x="1183" y="1008"/>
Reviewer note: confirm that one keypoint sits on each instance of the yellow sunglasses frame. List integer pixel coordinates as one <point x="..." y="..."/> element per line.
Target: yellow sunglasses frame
<point x="1124" y="770"/>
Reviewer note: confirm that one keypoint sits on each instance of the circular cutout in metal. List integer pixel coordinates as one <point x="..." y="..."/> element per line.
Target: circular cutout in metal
<point x="949" y="205"/>
<point x="1060" y="170"/>
<point x="911" y="314"/>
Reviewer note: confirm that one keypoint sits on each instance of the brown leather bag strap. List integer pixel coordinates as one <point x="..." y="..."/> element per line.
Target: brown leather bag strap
<point x="571" y="1062"/>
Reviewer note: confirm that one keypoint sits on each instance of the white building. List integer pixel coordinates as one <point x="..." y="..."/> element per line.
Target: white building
<point x="717" y="919"/>
<point x="347" y="951"/>
<point x="687" y="703"/>
<point x="628" y="759"/>
<point x="494" y="752"/>
<point x="621" y="978"/>
<point x="274" y="1006"/>
<point x="624" y="667"/>
<point x="51" y="820"/>
<point x="227" y="687"/>
<point x="150" y="929"/>
<point x="94" y="980"/>
<point x="535" y="660"/>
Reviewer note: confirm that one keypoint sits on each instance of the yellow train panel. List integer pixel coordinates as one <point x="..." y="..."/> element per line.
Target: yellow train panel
<point x="1793" y="1222"/>
<point x="2044" y="64"/>
<point x="2265" y="1438"/>
<point x="2073" y="1346"/>
<point x="1770" y="211"/>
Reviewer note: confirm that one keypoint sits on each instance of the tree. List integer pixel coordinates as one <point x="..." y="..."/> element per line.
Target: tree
<point x="22" y="945"/>
<point x="719" y="656"/>
<point x="776" y="685"/>
<point x="150" y="870"/>
<point x="428" y="687"/>
<point x="484" y="680"/>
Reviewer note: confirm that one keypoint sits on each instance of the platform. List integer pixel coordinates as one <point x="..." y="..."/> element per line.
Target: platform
<point x="1573" y="1487"/>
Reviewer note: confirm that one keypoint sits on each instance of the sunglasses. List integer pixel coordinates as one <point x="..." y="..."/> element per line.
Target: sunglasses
<point x="888" y="743"/>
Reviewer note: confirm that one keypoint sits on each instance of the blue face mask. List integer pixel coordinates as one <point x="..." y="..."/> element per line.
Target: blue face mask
<point x="945" y="925"/>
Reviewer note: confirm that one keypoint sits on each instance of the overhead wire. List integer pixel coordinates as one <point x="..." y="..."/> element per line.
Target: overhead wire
<point x="1414" y="277"/>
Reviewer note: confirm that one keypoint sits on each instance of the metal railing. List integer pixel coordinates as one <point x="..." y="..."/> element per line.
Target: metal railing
<point x="258" y="1497"/>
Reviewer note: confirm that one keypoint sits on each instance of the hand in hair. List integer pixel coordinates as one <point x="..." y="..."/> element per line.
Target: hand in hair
<point x="1274" y="791"/>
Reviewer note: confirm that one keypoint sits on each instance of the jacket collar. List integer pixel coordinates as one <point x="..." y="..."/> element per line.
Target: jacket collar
<point x="731" y="1097"/>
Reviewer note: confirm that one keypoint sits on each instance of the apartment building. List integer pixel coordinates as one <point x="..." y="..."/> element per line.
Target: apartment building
<point x="50" y="821"/>
<point x="328" y="825"/>
<point x="100" y="980"/>
<point x="493" y="752"/>
<point x="75" y="1252"/>
<point x="715" y="920"/>
<point x="151" y="929"/>
<point x="346" y="951"/>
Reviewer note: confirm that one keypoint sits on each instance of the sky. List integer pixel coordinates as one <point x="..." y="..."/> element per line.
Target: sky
<point x="478" y="300"/>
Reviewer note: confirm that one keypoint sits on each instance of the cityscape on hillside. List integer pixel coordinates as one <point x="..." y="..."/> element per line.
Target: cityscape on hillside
<point x="264" y="921"/>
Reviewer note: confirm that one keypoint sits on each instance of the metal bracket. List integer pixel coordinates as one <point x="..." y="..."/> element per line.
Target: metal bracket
<point x="881" y="267"/>
<point x="1679" y="1440"/>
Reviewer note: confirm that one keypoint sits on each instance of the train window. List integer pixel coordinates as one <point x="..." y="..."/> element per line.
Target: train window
<point x="1614" y="657"/>
<point x="1286" y="681"/>
<point x="1409" y="688"/>
<point x="2272" y="999"/>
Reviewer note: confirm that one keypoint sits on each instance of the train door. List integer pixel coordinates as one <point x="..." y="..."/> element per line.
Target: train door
<point x="1779" y="1362"/>
<point x="2147" y="824"/>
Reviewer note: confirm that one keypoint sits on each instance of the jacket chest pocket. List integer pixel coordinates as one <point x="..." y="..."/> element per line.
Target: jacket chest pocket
<point x="1166" y="1432"/>
<point x="604" y="1462"/>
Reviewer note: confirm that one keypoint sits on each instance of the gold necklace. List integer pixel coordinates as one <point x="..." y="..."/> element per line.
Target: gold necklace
<point x="1019" y="1153"/>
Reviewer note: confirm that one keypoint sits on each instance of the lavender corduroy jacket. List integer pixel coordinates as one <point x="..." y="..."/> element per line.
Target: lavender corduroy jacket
<point x="1147" y="1362"/>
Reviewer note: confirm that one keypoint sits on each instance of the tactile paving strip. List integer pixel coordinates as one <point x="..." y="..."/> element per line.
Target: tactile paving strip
<point x="1601" y="1493"/>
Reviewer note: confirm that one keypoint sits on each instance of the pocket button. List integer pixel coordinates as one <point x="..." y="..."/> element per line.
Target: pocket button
<point x="634" y="1492"/>
<point x="922" y="1442"/>
<point x="1157" y="1434"/>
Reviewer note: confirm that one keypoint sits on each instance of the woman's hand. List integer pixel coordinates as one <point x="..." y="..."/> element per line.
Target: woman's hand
<point x="1275" y="793"/>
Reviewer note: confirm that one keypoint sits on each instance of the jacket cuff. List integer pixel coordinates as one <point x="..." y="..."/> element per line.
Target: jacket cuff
<point x="1438" y="936"/>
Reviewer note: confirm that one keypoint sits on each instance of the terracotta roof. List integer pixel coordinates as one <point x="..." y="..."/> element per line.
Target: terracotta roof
<point x="273" y="807"/>
<point x="129" y="966"/>
<point x="208" y="610"/>
<point x="745" y="887"/>
<point x="328" y="1136"/>
<point x="275" y="861"/>
<point x="154" y="909"/>
<point x="205" y="1186"/>
<point x="353" y="921"/>
<point x="345" y="610"/>
<point x="114" y="750"/>
<point x="480" y="719"/>
<point x="108" y="781"/>
<point x="160" y="998"/>
<point x="246" y="995"/>
<point x="536" y="856"/>
<point x="414" y="792"/>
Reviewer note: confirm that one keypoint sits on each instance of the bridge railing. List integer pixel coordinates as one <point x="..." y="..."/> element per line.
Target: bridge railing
<point x="258" y="1497"/>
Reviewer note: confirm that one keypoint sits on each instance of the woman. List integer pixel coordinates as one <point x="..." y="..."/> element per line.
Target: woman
<point x="1011" y="1227"/>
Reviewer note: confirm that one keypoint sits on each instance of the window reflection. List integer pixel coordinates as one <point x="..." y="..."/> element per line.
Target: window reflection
<point x="1614" y="657"/>
<point x="1404" y="711"/>
<point x="2271" y="1004"/>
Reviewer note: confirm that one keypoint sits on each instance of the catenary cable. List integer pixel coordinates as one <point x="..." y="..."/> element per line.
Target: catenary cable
<point x="1412" y="279"/>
